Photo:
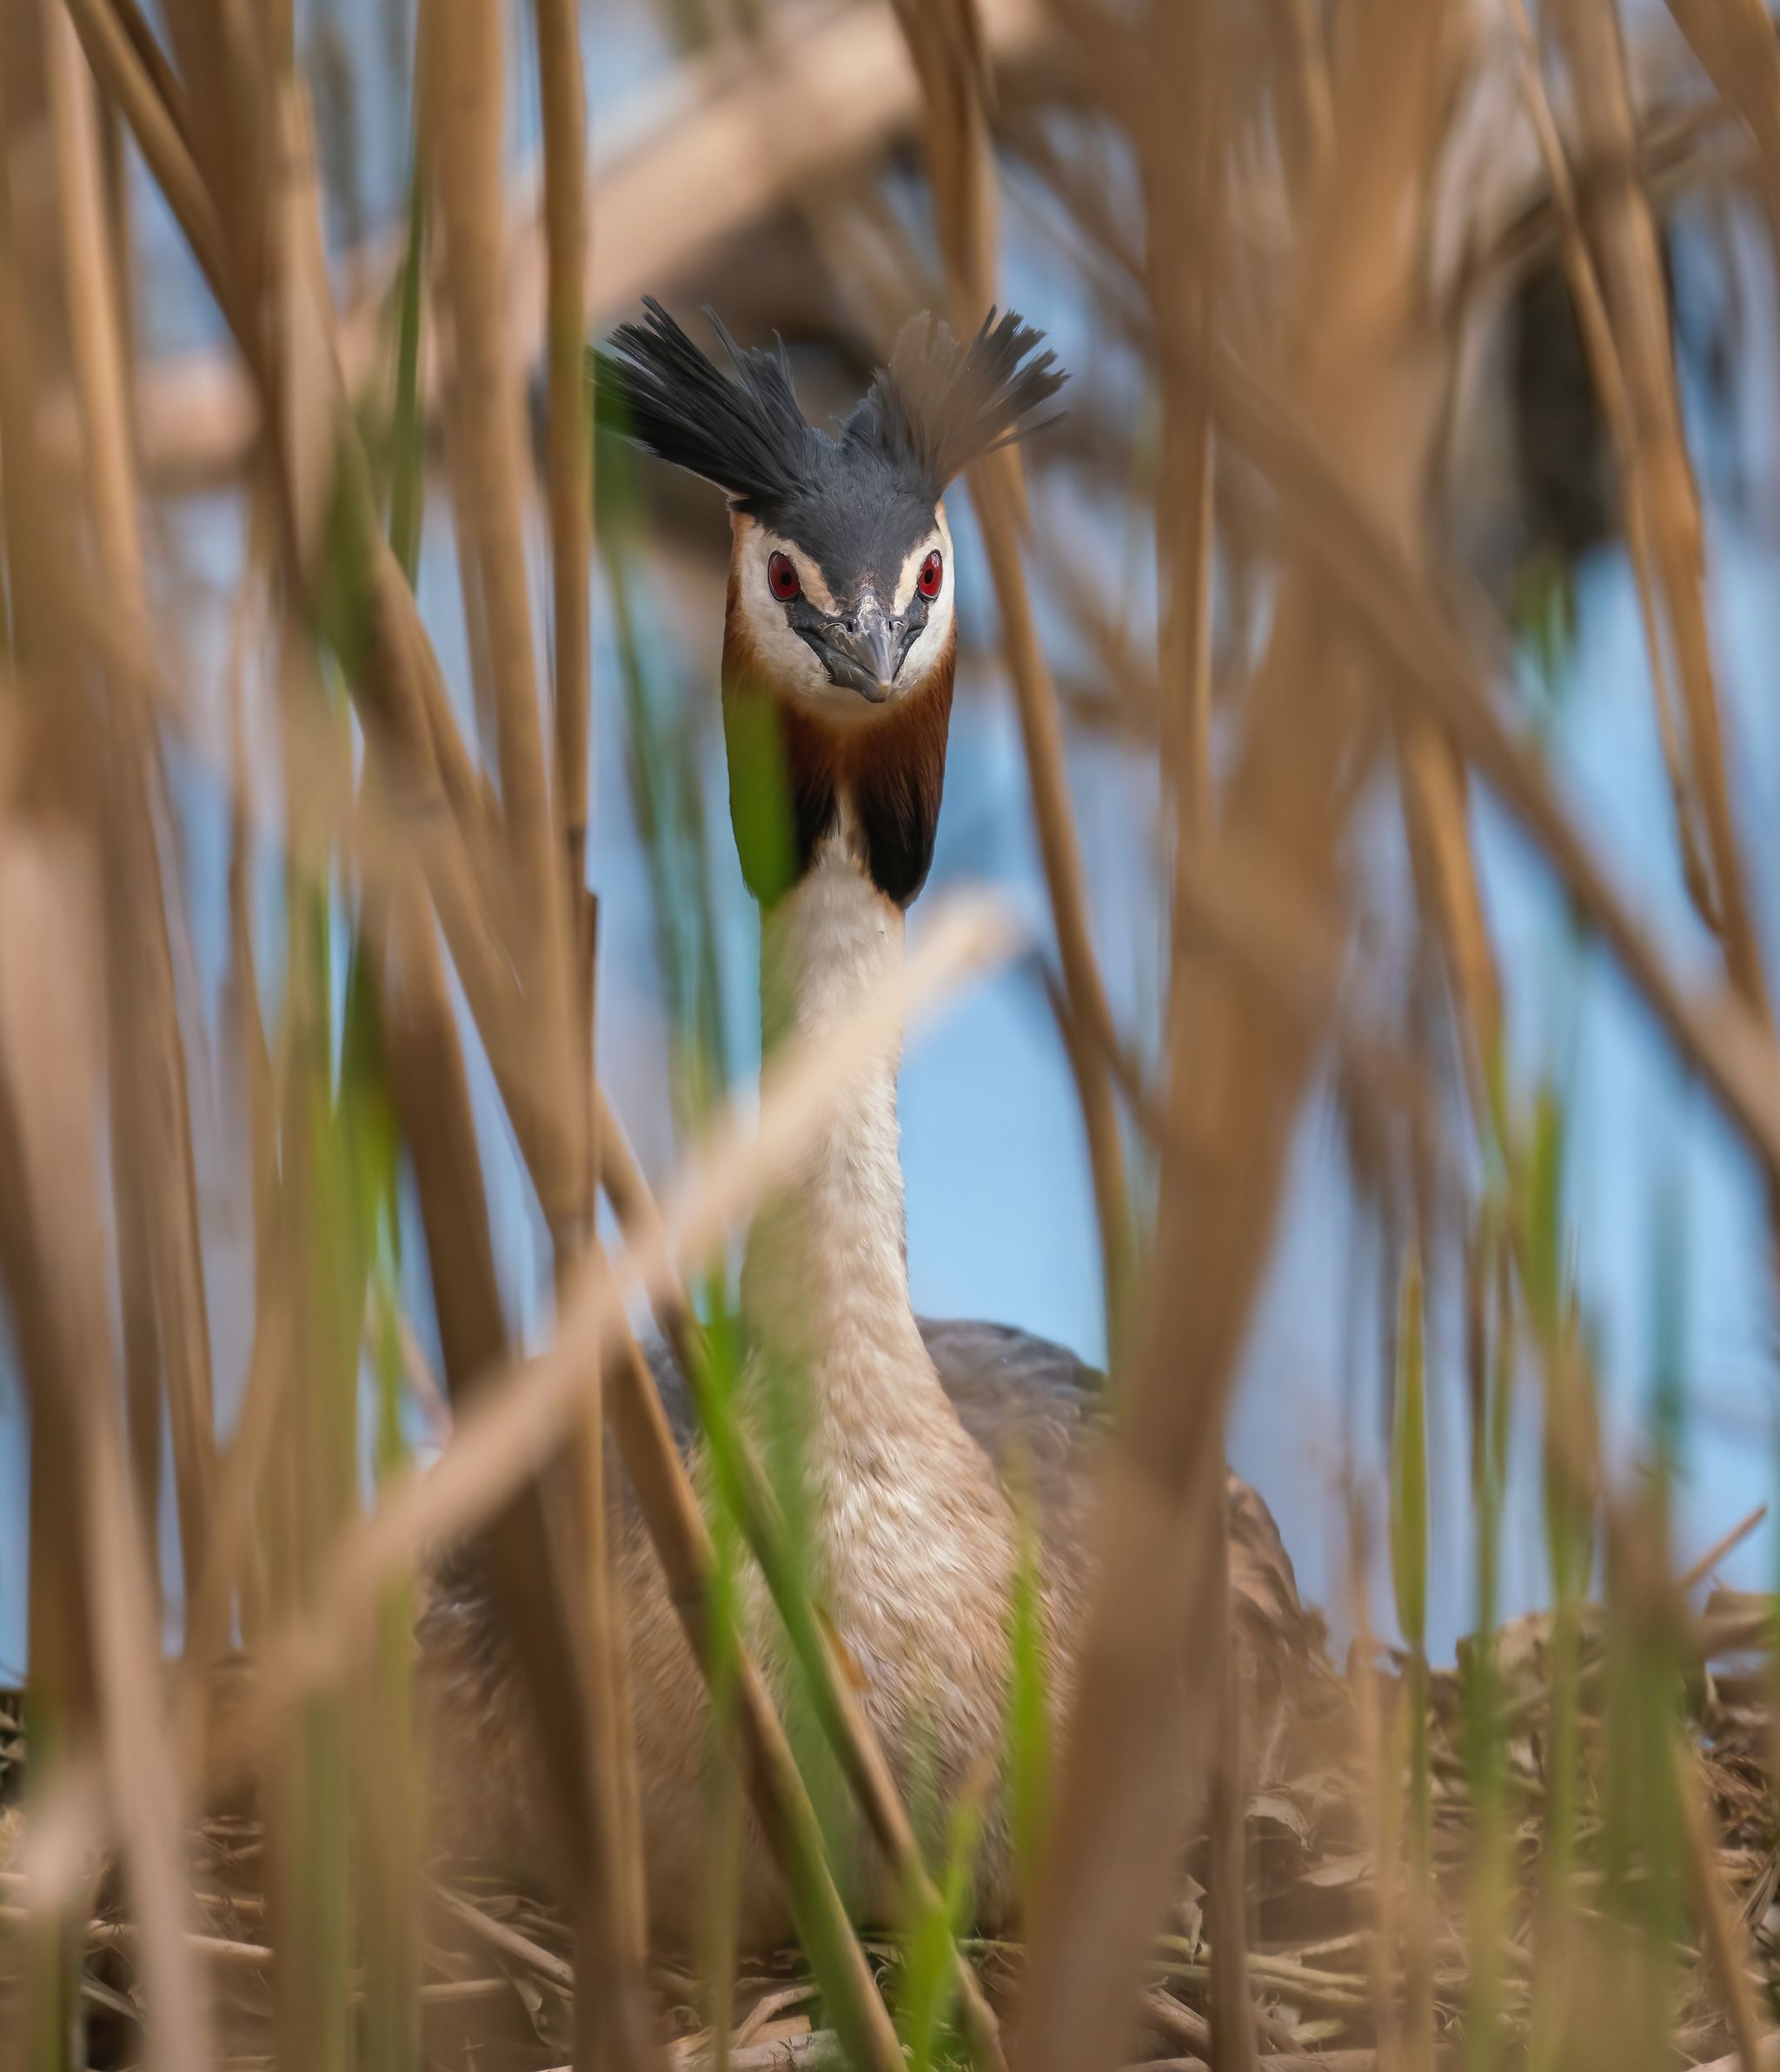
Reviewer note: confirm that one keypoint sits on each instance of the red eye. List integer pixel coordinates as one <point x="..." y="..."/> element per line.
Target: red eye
<point x="781" y="578"/>
<point x="932" y="575"/>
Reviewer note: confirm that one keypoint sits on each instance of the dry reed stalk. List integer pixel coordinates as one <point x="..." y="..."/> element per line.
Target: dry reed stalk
<point x="1180" y="142"/>
<point x="946" y="46"/>
<point x="508" y="1941"/>
<point x="615" y="1752"/>
<point x="673" y="177"/>
<point x="1437" y="816"/>
<point x="570" y="481"/>
<point x="120" y="71"/>
<point x="51" y="1034"/>
<point x="154" y="1129"/>
<point x="95" y="334"/>
<point x="407" y="710"/>
<point x="240" y="1489"/>
<point x="90" y="276"/>
<point x="1697" y="1572"/>
<point x="1182" y="145"/>
<point x="239" y="1472"/>
<point x="62" y="1699"/>
<point x="466" y="72"/>
<point x="457" y="401"/>
<point x="422" y="689"/>
<point x="401" y="683"/>
<point x="144" y="1409"/>
<point x="565" y="230"/>
<point x="842" y="1718"/>
<point x="162" y="77"/>
<point x="995" y="492"/>
<point x="1630" y="269"/>
<point x="1734" y="42"/>
<point x="1361" y="359"/>
<point x="529" y="1542"/>
<point x="401" y="699"/>
<point x="522" y="1413"/>
<point x="1302" y="95"/>
<point x="465" y="85"/>
<point x="161" y="1193"/>
<point x="231" y="67"/>
<point x="1609" y="376"/>
<point x="1718" y="1037"/>
<point x="305" y="383"/>
<point x="1576" y="1449"/>
<point x="1727" y="1944"/>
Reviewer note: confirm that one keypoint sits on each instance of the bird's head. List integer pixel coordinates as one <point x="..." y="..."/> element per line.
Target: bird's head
<point x="840" y="628"/>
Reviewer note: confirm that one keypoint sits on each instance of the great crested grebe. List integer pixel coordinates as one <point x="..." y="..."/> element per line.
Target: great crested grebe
<point x="840" y="643"/>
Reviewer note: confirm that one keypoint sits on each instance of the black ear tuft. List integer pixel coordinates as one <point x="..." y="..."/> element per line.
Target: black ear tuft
<point x="748" y="435"/>
<point x="941" y="404"/>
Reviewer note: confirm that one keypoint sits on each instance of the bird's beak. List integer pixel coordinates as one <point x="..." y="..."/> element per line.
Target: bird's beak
<point x="863" y="654"/>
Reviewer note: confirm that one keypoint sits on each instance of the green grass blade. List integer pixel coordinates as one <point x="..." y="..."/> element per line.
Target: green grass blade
<point x="1409" y="1573"/>
<point x="1409" y="1463"/>
<point x="1486" y="1754"/>
<point x="1028" y="1765"/>
<point x="408" y="426"/>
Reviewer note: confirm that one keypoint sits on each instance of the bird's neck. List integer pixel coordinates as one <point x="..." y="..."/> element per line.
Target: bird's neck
<point x="825" y="1278"/>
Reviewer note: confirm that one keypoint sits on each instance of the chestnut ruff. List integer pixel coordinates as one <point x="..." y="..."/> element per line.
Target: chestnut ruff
<point x="790" y="767"/>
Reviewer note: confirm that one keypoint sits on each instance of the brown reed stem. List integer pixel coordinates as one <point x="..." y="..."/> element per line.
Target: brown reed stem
<point x="570" y="456"/>
<point x="1630" y="270"/>
<point x="155" y="62"/>
<point x="466" y="72"/>
<point x="947" y="49"/>
<point x="1608" y="375"/>
<point x="95" y="334"/>
<point x="569" y="466"/>
<point x="1180" y="134"/>
<point x="90" y="275"/>
<point x="1734" y="42"/>
<point x="1360" y="353"/>
<point x="1719" y="1039"/>
<point x="233" y="69"/>
<point x="51" y="1033"/>
<point x="119" y="69"/>
<point x="1722" y="1927"/>
<point x="529" y="1544"/>
<point x="160" y="1199"/>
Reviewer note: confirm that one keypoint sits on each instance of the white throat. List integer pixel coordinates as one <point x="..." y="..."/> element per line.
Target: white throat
<point x="824" y="1277"/>
<point x="911" y="1530"/>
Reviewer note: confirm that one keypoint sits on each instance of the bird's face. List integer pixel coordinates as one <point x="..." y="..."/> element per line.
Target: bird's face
<point x="841" y="634"/>
<point x="847" y="620"/>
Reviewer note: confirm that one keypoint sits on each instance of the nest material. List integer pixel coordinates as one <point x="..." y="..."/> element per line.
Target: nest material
<point x="1333" y="1939"/>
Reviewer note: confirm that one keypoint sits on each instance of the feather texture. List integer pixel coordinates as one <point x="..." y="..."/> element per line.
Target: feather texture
<point x="941" y="404"/>
<point x="747" y="434"/>
<point x="937" y="407"/>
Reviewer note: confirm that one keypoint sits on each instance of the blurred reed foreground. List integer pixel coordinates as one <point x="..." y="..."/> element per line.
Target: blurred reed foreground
<point x="1389" y="319"/>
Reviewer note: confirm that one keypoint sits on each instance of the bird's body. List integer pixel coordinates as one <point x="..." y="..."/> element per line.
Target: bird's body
<point x="917" y="1447"/>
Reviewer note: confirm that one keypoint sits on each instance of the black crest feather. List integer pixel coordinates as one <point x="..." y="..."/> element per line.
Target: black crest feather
<point x="747" y="434"/>
<point x="941" y="404"/>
